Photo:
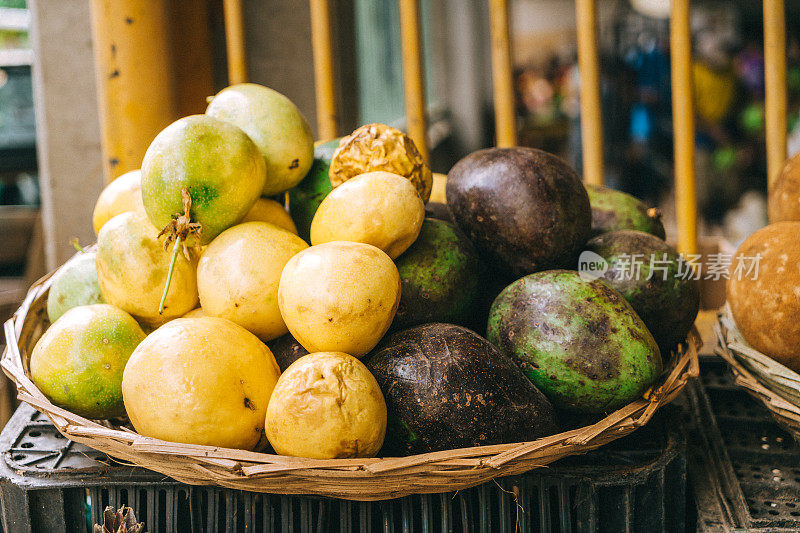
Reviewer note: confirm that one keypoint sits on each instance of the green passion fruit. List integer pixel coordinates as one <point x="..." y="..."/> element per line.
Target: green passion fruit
<point x="275" y="125"/>
<point x="304" y="199"/>
<point x="200" y="176"/>
<point x="79" y="361"/>
<point x="74" y="284"/>
<point x="209" y="164"/>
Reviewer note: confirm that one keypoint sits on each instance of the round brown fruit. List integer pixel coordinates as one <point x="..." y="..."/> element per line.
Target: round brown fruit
<point x="525" y="209"/>
<point x="764" y="292"/>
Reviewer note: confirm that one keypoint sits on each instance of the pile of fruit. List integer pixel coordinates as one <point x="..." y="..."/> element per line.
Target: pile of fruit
<point x="205" y="317"/>
<point x="763" y="289"/>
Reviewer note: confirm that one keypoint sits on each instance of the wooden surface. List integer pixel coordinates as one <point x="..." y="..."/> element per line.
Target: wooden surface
<point x="134" y="78"/>
<point x="591" y="111"/>
<point x="413" y="75"/>
<point x="683" y="124"/>
<point x="502" y="75"/>
<point x="324" y="71"/>
<point x="67" y="124"/>
<point x="235" y="41"/>
<point x="775" y="86"/>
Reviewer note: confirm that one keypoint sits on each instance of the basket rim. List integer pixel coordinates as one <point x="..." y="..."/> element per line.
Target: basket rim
<point x="767" y="380"/>
<point x="353" y="478"/>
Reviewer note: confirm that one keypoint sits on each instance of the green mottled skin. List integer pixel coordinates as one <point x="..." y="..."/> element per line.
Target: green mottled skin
<point x="667" y="304"/>
<point x="616" y="210"/>
<point x="74" y="284"/>
<point x="276" y="126"/>
<point x="579" y="342"/>
<point x="79" y="361"/>
<point x="217" y="162"/>
<point x="440" y="276"/>
<point x="304" y="199"/>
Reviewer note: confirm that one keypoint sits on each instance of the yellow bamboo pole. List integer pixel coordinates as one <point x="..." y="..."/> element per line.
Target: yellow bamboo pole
<point x="502" y="75"/>
<point x="413" y="74"/>
<point x="775" y="86"/>
<point x="683" y="125"/>
<point x="324" y="79"/>
<point x="234" y="41"/>
<point x="133" y="78"/>
<point x="591" y="114"/>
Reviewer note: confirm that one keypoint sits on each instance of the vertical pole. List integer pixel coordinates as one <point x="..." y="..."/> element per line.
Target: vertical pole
<point x="133" y="78"/>
<point x="502" y="76"/>
<point x="775" y="86"/>
<point x="413" y="74"/>
<point x="324" y="80"/>
<point x="234" y="41"/>
<point x="683" y="124"/>
<point x="591" y="113"/>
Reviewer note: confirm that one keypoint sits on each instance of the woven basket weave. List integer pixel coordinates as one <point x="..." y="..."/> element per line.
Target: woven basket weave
<point x="775" y="385"/>
<point x="353" y="479"/>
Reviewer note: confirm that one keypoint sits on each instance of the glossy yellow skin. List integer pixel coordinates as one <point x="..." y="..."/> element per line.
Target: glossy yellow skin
<point x="120" y="196"/>
<point x="200" y="381"/>
<point x="327" y="405"/>
<point x="132" y="269"/>
<point x="339" y="297"/>
<point x="268" y="210"/>
<point x="377" y="208"/>
<point x="195" y="313"/>
<point x="277" y="127"/>
<point x="239" y="272"/>
<point x="79" y="361"/>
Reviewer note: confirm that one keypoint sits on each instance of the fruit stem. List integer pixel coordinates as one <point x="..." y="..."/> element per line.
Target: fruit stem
<point x="75" y="244"/>
<point x="169" y="273"/>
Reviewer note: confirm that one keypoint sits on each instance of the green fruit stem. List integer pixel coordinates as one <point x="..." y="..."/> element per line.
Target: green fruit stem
<point x="169" y="273"/>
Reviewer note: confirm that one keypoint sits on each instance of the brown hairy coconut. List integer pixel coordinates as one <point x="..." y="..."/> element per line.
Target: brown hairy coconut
<point x="766" y="304"/>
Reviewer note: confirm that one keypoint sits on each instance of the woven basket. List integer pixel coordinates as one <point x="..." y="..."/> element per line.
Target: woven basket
<point x="776" y="386"/>
<point x="353" y="479"/>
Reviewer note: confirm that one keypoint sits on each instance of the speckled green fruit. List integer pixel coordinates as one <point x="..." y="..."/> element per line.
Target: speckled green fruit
<point x="615" y="210"/>
<point x="656" y="286"/>
<point x="79" y="361"/>
<point x="440" y="277"/>
<point x="304" y="199"/>
<point x="579" y="341"/>
<point x="276" y="126"/>
<point x="215" y="161"/>
<point x="74" y="284"/>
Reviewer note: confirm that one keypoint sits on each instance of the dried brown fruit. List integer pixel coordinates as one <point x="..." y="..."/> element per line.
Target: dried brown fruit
<point x="380" y="147"/>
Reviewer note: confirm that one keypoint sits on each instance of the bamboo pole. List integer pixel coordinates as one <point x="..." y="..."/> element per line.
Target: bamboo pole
<point x="683" y="125"/>
<point x="775" y="86"/>
<point x="502" y="75"/>
<point x="324" y="79"/>
<point x="133" y="78"/>
<point x="413" y="74"/>
<point x="591" y="113"/>
<point x="234" y="41"/>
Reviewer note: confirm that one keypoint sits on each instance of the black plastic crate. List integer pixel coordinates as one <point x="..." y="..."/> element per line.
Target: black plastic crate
<point x="744" y="469"/>
<point x="50" y="484"/>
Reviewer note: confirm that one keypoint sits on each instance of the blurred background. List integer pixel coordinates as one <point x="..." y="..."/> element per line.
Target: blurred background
<point x="52" y="168"/>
